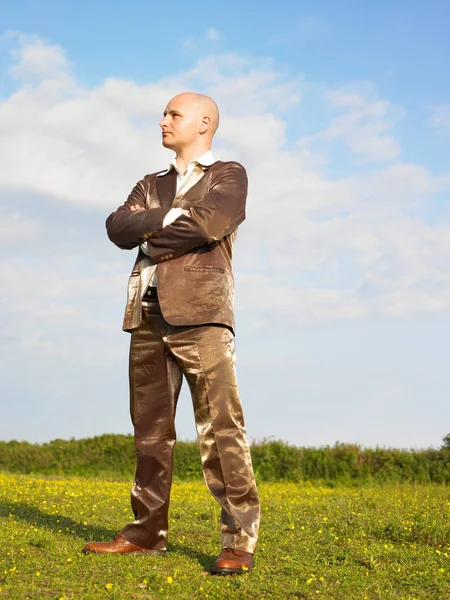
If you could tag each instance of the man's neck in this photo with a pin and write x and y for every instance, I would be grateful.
(184, 157)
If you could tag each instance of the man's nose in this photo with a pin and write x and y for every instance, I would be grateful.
(163, 122)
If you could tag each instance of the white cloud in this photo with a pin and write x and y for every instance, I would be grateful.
(188, 43)
(363, 124)
(440, 118)
(18, 229)
(213, 35)
(40, 66)
(36, 59)
(333, 248)
(320, 245)
(257, 84)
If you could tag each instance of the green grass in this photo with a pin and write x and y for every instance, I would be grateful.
(378, 542)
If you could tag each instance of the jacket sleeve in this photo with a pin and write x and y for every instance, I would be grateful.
(126, 228)
(214, 217)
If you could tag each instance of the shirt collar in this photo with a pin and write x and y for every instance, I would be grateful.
(205, 160)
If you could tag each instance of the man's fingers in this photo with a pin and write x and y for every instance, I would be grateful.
(134, 207)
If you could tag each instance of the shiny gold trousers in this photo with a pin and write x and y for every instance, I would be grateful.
(159, 355)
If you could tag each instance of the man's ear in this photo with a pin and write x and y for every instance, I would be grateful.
(204, 125)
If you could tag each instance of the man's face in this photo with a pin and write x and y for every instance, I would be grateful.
(181, 123)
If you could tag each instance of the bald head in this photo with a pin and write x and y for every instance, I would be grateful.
(189, 123)
(205, 106)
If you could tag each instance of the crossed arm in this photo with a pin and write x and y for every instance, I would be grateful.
(127, 226)
(211, 219)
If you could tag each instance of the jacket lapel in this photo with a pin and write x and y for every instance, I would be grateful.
(166, 188)
(188, 184)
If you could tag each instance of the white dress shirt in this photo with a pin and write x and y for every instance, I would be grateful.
(205, 160)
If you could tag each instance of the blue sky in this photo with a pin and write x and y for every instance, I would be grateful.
(340, 113)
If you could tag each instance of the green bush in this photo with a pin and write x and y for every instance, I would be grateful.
(112, 456)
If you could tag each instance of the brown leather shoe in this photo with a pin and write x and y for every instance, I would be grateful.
(233, 561)
(119, 545)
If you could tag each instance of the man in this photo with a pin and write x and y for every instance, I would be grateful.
(180, 313)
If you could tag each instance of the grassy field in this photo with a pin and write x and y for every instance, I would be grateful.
(390, 541)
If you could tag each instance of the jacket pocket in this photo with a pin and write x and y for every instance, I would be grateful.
(203, 269)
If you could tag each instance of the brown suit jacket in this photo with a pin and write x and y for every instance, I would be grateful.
(194, 253)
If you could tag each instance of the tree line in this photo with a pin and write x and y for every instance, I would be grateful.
(112, 456)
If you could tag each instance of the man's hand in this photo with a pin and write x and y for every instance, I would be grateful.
(173, 213)
(171, 216)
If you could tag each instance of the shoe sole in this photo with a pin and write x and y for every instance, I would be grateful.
(149, 552)
(229, 571)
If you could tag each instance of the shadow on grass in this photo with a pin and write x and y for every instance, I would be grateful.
(59, 523)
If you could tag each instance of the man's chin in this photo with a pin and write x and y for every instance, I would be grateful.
(166, 143)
